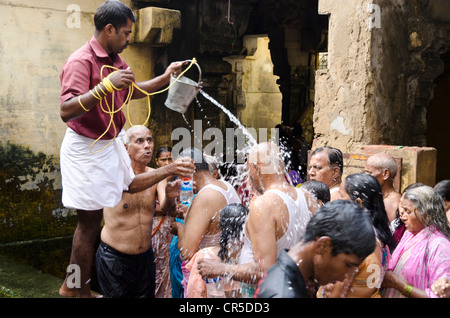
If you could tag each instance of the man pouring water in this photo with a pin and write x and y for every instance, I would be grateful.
(95, 177)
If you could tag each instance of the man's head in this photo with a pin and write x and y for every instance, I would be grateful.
(319, 190)
(342, 235)
(116, 20)
(326, 165)
(214, 165)
(264, 159)
(138, 141)
(382, 166)
(199, 159)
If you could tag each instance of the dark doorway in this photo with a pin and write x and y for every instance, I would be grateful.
(438, 119)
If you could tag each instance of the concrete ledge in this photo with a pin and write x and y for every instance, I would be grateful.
(155, 26)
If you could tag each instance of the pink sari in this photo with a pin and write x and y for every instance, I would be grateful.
(420, 265)
(196, 286)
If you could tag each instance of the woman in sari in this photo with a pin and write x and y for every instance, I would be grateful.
(423, 254)
(365, 190)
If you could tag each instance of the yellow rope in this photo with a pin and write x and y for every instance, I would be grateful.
(106, 82)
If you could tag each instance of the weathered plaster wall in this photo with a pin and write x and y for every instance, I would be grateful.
(344, 114)
(36, 38)
(389, 66)
(383, 58)
(35, 41)
(260, 86)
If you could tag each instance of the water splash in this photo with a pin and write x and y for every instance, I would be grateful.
(187, 122)
(233, 118)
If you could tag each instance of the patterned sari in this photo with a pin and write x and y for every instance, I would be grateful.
(421, 259)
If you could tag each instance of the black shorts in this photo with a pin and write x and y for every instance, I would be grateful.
(125, 276)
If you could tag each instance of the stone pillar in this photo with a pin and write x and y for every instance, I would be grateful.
(383, 58)
(344, 92)
(154, 28)
(255, 87)
(378, 83)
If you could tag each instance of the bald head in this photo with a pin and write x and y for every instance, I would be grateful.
(382, 161)
(268, 157)
(130, 132)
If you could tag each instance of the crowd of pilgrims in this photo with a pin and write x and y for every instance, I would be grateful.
(410, 256)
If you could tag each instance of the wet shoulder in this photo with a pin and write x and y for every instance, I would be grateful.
(267, 204)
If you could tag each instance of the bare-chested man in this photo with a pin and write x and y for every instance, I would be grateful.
(125, 260)
(277, 219)
(383, 167)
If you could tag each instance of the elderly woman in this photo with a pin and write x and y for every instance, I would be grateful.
(423, 254)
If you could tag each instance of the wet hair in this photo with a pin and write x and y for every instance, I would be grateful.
(368, 190)
(319, 189)
(161, 150)
(443, 188)
(232, 219)
(199, 160)
(334, 156)
(429, 205)
(411, 186)
(112, 12)
(213, 162)
(346, 224)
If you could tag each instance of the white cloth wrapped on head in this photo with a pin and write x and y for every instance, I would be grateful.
(92, 181)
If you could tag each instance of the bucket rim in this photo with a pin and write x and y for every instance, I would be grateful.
(199, 73)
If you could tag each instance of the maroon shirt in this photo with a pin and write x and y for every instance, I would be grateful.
(80, 73)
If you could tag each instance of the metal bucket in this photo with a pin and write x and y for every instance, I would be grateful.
(182, 92)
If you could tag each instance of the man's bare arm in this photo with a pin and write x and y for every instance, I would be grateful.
(71, 108)
(168, 201)
(182, 167)
(249, 273)
(261, 231)
(158, 82)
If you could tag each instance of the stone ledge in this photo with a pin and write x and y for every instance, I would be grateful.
(155, 26)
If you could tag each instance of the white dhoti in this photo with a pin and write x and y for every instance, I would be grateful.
(92, 181)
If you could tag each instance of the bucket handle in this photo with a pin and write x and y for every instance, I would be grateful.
(199, 71)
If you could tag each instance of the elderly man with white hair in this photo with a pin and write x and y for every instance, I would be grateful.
(383, 167)
(125, 260)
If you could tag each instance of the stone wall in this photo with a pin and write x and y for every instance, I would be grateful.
(344, 104)
(383, 59)
(35, 40)
(257, 94)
